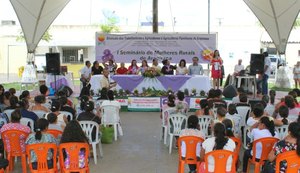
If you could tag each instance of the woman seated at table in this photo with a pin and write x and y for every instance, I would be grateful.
(144, 66)
(181, 69)
(167, 69)
(133, 68)
(122, 70)
(96, 68)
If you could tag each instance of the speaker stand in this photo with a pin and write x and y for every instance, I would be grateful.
(55, 88)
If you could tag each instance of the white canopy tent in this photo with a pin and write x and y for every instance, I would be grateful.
(35, 16)
(277, 17)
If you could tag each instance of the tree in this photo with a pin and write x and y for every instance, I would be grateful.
(46, 37)
(111, 21)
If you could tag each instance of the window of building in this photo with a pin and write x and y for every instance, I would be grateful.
(73, 55)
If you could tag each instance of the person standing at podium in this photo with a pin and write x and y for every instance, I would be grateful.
(216, 72)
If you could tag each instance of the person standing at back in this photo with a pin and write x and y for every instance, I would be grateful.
(264, 76)
(195, 68)
(86, 73)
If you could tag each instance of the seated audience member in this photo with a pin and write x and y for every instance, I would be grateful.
(41, 136)
(181, 105)
(289, 143)
(133, 68)
(53, 125)
(221, 112)
(2, 90)
(284, 113)
(219, 142)
(170, 104)
(182, 69)
(38, 104)
(64, 94)
(24, 105)
(88, 115)
(4, 100)
(83, 100)
(144, 67)
(167, 69)
(256, 114)
(191, 130)
(293, 110)
(294, 95)
(55, 108)
(66, 107)
(15, 125)
(233, 115)
(96, 68)
(155, 65)
(265, 128)
(243, 100)
(297, 91)
(44, 90)
(217, 99)
(13, 102)
(229, 127)
(236, 99)
(204, 109)
(111, 101)
(122, 69)
(74, 133)
(25, 95)
(12, 91)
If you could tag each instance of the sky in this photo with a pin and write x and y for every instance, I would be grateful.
(133, 12)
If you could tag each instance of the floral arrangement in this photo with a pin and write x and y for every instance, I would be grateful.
(151, 73)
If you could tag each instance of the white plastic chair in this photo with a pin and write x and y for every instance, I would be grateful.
(8, 113)
(270, 109)
(243, 111)
(282, 131)
(164, 123)
(87, 127)
(204, 123)
(28, 122)
(245, 135)
(176, 122)
(69, 115)
(110, 116)
(40, 114)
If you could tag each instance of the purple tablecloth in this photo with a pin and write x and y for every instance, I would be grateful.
(128, 82)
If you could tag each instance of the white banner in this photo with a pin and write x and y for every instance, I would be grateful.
(144, 103)
(195, 103)
(123, 102)
(125, 47)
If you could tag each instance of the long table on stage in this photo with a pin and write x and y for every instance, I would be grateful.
(174, 82)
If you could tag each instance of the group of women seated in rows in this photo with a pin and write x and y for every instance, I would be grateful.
(261, 123)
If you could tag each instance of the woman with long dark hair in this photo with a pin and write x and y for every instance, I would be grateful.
(264, 128)
(96, 68)
(133, 68)
(74, 133)
(216, 72)
(289, 143)
(41, 136)
(219, 142)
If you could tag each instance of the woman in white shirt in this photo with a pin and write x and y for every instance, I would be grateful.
(218, 142)
(264, 128)
(181, 69)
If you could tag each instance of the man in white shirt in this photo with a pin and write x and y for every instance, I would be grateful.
(195, 68)
(86, 73)
(155, 65)
(238, 68)
(265, 76)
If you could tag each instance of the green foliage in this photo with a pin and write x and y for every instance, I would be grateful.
(110, 25)
(46, 37)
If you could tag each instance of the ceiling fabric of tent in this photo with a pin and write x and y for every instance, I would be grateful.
(35, 16)
(277, 17)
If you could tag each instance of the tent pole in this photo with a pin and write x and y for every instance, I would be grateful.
(208, 17)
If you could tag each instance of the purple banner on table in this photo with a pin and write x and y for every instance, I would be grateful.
(59, 83)
(173, 82)
(128, 82)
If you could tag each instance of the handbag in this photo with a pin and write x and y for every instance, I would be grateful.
(107, 134)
